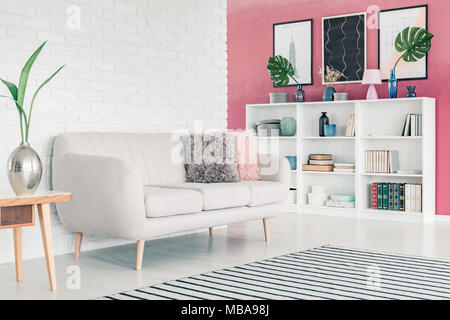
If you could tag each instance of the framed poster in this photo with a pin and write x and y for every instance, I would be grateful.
(390, 23)
(344, 46)
(293, 40)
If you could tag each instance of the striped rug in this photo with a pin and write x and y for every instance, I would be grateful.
(328, 272)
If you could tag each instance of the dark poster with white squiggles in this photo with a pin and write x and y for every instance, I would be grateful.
(344, 43)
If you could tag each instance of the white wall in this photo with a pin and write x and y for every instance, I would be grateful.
(134, 65)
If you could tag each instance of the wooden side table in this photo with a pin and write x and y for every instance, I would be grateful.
(18, 211)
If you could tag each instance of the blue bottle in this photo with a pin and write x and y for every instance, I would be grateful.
(393, 85)
(300, 94)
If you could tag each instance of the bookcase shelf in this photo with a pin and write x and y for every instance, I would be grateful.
(391, 175)
(329, 172)
(378, 126)
(418, 138)
(330, 138)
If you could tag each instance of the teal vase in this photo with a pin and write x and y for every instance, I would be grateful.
(288, 126)
(328, 94)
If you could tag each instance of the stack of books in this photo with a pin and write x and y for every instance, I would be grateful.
(344, 167)
(341, 201)
(396, 196)
(319, 162)
(382, 161)
(413, 125)
(350, 132)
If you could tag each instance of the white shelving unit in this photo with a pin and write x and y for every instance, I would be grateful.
(378, 127)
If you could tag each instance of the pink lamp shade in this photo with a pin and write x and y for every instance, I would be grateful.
(372, 77)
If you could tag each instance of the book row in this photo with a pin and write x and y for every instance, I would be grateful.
(396, 196)
(382, 161)
(413, 125)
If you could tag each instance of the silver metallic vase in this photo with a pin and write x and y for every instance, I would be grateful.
(24, 170)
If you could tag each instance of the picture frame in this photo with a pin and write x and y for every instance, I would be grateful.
(340, 50)
(390, 23)
(294, 41)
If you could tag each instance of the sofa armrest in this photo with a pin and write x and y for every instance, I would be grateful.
(108, 196)
(275, 168)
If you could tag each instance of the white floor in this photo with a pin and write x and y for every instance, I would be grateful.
(109, 271)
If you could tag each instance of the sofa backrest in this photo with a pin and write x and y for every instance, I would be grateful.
(155, 155)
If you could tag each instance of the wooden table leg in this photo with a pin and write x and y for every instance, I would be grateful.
(17, 234)
(46, 229)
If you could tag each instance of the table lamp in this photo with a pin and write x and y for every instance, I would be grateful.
(372, 77)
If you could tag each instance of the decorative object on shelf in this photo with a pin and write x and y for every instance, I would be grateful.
(350, 132)
(413, 125)
(330, 130)
(323, 120)
(24, 164)
(381, 161)
(344, 46)
(293, 39)
(341, 201)
(393, 85)
(317, 197)
(391, 22)
(330, 75)
(288, 126)
(372, 77)
(279, 97)
(396, 196)
(319, 162)
(340, 96)
(411, 92)
(344, 167)
(292, 162)
(328, 94)
(268, 128)
(300, 94)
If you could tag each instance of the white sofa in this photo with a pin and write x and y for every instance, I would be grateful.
(129, 186)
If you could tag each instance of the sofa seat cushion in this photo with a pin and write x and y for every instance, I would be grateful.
(265, 192)
(218, 195)
(163, 202)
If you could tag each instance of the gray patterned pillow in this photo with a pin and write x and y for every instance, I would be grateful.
(210, 157)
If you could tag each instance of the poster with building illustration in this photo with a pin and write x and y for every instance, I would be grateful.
(293, 40)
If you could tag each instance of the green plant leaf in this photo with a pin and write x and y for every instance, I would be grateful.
(14, 93)
(12, 88)
(414, 42)
(34, 98)
(25, 73)
(280, 70)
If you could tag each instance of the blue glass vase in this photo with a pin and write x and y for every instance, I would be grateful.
(328, 94)
(300, 94)
(393, 85)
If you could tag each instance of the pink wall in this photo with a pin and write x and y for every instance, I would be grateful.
(250, 45)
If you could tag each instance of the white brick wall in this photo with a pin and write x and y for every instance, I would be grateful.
(134, 65)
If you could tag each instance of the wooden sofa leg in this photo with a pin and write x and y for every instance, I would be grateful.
(211, 231)
(139, 254)
(78, 239)
(266, 229)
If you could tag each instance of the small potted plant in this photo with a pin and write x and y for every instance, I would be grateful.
(330, 77)
(24, 164)
(414, 44)
(280, 70)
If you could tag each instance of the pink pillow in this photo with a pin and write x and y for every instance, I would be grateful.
(247, 155)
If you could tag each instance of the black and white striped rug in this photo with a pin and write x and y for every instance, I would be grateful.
(328, 272)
